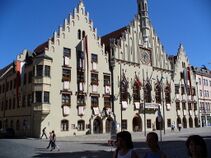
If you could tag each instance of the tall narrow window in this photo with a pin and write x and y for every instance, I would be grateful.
(64, 125)
(94, 101)
(39, 70)
(94, 79)
(46, 97)
(66, 74)
(106, 80)
(47, 71)
(79, 34)
(38, 95)
(94, 58)
(158, 93)
(81, 125)
(147, 93)
(65, 99)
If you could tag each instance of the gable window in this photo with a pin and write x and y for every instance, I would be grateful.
(67, 52)
(79, 34)
(94, 58)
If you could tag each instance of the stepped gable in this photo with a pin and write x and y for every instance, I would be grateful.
(113, 35)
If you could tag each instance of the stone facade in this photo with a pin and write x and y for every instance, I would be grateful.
(77, 83)
(203, 77)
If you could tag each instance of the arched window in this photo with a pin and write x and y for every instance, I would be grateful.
(83, 34)
(124, 87)
(64, 125)
(158, 93)
(79, 34)
(147, 93)
(136, 90)
(168, 93)
(81, 125)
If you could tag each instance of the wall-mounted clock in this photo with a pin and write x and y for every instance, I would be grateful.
(145, 57)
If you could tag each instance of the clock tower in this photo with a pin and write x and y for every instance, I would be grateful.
(144, 21)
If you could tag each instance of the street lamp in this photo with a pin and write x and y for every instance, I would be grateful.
(114, 124)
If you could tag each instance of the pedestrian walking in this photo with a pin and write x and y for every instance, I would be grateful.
(172, 126)
(155, 152)
(124, 146)
(50, 140)
(44, 133)
(196, 147)
(53, 142)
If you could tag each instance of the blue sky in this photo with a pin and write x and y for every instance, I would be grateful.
(28, 23)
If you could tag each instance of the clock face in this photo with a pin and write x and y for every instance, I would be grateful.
(145, 57)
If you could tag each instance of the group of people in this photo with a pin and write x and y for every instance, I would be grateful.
(52, 139)
(195, 144)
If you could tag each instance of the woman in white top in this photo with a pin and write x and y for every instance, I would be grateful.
(124, 146)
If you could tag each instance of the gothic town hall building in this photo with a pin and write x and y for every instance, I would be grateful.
(77, 83)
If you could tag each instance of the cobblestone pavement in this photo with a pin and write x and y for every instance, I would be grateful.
(95, 146)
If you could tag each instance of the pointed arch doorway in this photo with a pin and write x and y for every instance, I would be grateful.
(137, 124)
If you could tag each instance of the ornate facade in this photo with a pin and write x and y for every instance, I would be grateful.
(77, 83)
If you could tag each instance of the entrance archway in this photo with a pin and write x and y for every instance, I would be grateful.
(0, 125)
(190, 122)
(97, 126)
(137, 124)
(184, 122)
(109, 120)
(178, 121)
(159, 125)
(196, 122)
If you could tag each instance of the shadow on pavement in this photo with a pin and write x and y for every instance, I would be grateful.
(82, 154)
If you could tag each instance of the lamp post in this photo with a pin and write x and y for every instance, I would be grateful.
(144, 104)
(114, 124)
(164, 131)
(120, 94)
